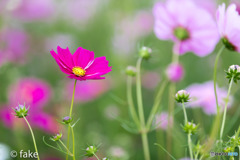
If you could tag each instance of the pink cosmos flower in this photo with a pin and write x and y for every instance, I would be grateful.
(190, 32)
(150, 80)
(237, 3)
(202, 95)
(81, 65)
(31, 91)
(162, 122)
(13, 45)
(228, 21)
(33, 10)
(86, 91)
(175, 72)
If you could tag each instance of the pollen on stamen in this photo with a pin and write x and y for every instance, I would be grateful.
(78, 71)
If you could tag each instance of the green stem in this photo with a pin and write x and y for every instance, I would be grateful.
(239, 152)
(196, 155)
(225, 110)
(96, 156)
(185, 113)
(130, 102)
(34, 142)
(65, 147)
(70, 115)
(215, 75)
(156, 104)
(73, 143)
(141, 112)
(190, 145)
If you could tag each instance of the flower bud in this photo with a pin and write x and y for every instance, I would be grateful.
(145, 52)
(182, 96)
(233, 73)
(90, 151)
(190, 127)
(56, 137)
(131, 71)
(175, 72)
(21, 111)
(105, 158)
(67, 120)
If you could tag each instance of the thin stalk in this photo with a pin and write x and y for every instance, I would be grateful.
(225, 110)
(185, 113)
(156, 104)
(190, 145)
(141, 112)
(215, 75)
(130, 102)
(196, 155)
(239, 152)
(96, 156)
(73, 143)
(33, 137)
(65, 147)
(70, 115)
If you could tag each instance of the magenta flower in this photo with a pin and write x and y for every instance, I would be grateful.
(202, 95)
(228, 21)
(162, 121)
(31, 91)
(189, 32)
(13, 45)
(175, 72)
(86, 91)
(81, 65)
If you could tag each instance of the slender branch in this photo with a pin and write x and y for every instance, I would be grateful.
(156, 104)
(70, 115)
(96, 156)
(73, 153)
(190, 145)
(141, 112)
(225, 109)
(34, 141)
(130, 102)
(185, 113)
(65, 147)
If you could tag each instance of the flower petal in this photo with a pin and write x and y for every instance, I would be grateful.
(65, 56)
(83, 58)
(98, 67)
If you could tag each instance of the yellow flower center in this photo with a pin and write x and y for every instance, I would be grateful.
(78, 71)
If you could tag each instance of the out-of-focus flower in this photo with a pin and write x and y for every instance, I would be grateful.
(56, 137)
(210, 6)
(131, 71)
(36, 117)
(237, 3)
(162, 121)
(190, 32)
(81, 65)
(190, 127)
(118, 152)
(111, 112)
(86, 91)
(175, 72)
(228, 21)
(67, 120)
(4, 151)
(30, 91)
(13, 45)
(145, 52)
(21, 111)
(91, 151)
(150, 80)
(127, 34)
(202, 95)
(31, 10)
(185, 158)
(182, 96)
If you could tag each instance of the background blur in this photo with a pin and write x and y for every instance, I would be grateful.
(112, 28)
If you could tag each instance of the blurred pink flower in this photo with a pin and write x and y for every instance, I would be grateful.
(30, 10)
(228, 21)
(162, 121)
(150, 80)
(237, 3)
(175, 72)
(81, 65)
(13, 45)
(117, 152)
(86, 91)
(190, 32)
(127, 34)
(202, 95)
(31, 91)
(209, 5)
(36, 117)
